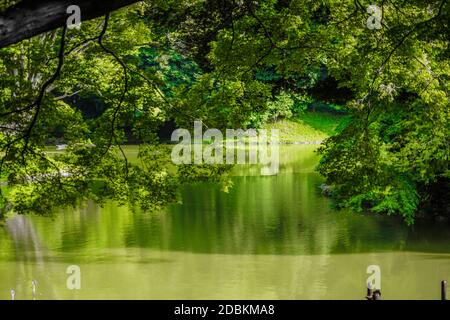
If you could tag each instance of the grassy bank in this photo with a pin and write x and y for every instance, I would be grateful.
(309, 127)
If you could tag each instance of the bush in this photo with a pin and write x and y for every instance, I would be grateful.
(281, 107)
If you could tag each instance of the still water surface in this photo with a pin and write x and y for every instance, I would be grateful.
(270, 237)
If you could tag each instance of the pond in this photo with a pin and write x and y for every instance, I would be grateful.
(269, 237)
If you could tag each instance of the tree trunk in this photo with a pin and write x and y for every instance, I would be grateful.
(29, 18)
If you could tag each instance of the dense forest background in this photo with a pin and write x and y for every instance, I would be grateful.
(141, 71)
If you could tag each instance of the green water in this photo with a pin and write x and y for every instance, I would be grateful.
(270, 237)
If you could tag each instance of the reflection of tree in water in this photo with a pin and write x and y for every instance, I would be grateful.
(29, 257)
(25, 239)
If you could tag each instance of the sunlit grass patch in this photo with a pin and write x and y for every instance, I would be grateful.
(309, 127)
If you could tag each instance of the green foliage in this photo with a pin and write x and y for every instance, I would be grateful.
(92, 167)
(233, 64)
(301, 103)
(173, 68)
(382, 167)
(223, 103)
(282, 107)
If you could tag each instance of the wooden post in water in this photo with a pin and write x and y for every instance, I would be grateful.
(443, 290)
(369, 295)
(373, 294)
(369, 291)
(376, 295)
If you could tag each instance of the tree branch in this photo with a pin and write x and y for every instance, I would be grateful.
(30, 17)
(38, 102)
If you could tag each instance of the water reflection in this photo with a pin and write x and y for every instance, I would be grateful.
(25, 239)
(28, 255)
(269, 237)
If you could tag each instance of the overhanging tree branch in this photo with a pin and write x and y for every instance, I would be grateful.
(30, 17)
(122, 97)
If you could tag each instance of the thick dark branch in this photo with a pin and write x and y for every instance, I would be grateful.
(55, 76)
(122, 98)
(30, 17)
